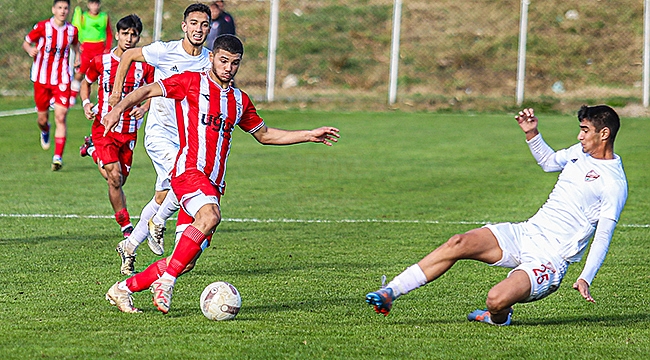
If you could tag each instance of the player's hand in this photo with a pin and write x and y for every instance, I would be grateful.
(326, 135)
(138, 112)
(110, 120)
(33, 51)
(88, 111)
(527, 121)
(583, 288)
(114, 98)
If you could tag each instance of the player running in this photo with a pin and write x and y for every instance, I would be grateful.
(95, 37)
(161, 135)
(49, 44)
(587, 200)
(113, 153)
(207, 111)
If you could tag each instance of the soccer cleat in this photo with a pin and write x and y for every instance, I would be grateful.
(128, 260)
(156, 237)
(484, 316)
(121, 298)
(127, 231)
(382, 300)
(57, 163)
(88, 144)
(162, 290)
(45, 140)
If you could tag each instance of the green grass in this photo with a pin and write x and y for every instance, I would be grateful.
(303, 283)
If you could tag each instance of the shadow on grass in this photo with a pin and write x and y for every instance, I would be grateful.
(610, 320)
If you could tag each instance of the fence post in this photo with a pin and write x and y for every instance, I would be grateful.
(521, 63)
(394, 51)
(157, 20)
(273, 45)
(646, 52)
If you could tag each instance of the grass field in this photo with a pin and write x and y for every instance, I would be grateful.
(307, 232)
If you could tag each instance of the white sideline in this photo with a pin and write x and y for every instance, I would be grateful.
(17, 112)
(283, 220)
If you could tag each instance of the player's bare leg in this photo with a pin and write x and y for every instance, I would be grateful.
(42, 118)
(115, 180)
(502, 296)
(478, 244)
(60, 113)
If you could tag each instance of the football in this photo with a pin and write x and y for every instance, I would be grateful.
(220, 301)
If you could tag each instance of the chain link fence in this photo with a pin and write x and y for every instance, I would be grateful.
(454, 56)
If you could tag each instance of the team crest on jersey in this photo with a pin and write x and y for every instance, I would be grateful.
(591, 176)
(137, 74)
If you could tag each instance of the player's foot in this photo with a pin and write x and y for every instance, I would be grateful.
(382, 300)
(162, 290)
(121, 298)
(85, 149)
(128, 260)
(57, 163)
(45, 140)
(127, 231)
(484, 316)
(156, 238)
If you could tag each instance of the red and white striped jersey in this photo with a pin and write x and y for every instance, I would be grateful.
(102, 68)
(51, 64)
(206, 115)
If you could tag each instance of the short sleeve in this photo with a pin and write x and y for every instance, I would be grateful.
(151, 52)
(92, 74)
(176, 86)
(149, 74)
(35, 34)
(250, 121)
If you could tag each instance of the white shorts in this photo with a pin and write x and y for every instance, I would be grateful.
(525, 248)
(191, 203)
(162, 152)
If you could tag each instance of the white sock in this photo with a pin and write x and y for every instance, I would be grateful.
(168, 277)
(75, 85)
(410, 279)
(122, 286)
(141, 229)
(168, 207)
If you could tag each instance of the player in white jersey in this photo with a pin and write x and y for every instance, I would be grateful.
(587, 200)
(161, 134)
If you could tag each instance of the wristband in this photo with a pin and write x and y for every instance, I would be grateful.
(85, 102)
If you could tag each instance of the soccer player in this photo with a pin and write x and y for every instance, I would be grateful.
(95, 36)
(207, 111)
(161, 135)
(49, 44)
(587, 200)
(113, 153)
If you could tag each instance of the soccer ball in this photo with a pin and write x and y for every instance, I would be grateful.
(220, 301)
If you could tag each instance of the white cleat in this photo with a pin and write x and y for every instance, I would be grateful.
(128, 260)
(162, 290)
(156, 237)
(121, 298)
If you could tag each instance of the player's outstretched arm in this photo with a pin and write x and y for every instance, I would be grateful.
(111, 119)
(272, 136)
(528, 122)
(127, 58)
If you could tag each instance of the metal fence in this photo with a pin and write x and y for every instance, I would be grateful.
(335, 54)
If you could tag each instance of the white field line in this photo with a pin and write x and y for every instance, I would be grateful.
(283, 220)
(17, 112)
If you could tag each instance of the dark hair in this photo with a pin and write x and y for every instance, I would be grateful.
(56, 1)
(95, 1)
(129, 22)
(229, 43)
(198, 7)
(601, 116)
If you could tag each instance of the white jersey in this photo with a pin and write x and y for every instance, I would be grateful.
(169, 58)
(586, 191)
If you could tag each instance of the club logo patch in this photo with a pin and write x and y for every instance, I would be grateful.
(591, 176)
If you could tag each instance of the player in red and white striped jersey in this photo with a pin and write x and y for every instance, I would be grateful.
(49, 44)
(113, 153)
(207, 111)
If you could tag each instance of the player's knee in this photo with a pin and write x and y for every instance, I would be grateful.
(457, 242)
(114, 179)
(497, 301)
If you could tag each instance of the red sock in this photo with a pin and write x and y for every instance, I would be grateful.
(142, 281)
(188, 247)
(95, 156)
(59, 144)
(73, 93)
(122, 217)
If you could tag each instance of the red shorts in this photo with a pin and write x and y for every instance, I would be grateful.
(114, 147)
(193, 189)
(44, 93)
(88, 51)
